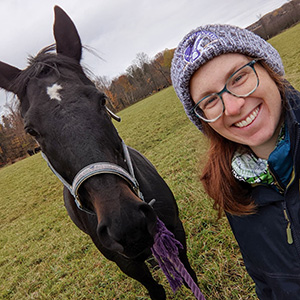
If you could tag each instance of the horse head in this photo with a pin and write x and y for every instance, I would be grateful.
(64, 111)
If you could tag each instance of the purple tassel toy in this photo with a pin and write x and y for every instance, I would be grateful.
(165, 251)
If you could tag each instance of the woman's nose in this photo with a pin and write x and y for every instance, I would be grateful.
(233, 104)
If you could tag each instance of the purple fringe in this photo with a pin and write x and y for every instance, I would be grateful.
(165, 251)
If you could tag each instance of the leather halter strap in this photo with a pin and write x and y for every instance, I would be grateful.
(96, 169)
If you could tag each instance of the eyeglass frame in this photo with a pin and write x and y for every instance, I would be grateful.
(219, 94)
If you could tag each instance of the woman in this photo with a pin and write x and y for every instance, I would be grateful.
(230, 82)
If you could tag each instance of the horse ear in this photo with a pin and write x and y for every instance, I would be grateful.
(66, 36)
(7, 75)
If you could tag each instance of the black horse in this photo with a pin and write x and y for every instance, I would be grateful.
(63, 110)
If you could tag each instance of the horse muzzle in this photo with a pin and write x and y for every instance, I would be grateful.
(129, 231)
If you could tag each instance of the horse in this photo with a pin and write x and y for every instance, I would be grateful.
(107, 185)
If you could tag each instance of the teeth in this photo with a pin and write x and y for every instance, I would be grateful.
(248, 120)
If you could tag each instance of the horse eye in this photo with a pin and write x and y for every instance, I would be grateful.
(103, 99)
(31, 131)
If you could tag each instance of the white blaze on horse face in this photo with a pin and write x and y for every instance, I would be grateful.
(53, 91)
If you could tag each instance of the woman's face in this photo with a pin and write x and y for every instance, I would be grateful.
(254, 120)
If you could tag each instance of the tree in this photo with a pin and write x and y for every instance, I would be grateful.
(103, 84)
(14, 142)
(142, 78)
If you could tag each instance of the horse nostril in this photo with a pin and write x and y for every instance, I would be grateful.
(102, 230)
(103, 233)
(107, 240)
(150, 215)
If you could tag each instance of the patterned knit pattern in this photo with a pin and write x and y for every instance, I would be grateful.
(248, 168)
(207, 42)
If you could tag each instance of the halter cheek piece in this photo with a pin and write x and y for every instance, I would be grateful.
(96, 169)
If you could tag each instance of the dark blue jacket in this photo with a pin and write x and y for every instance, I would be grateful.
(270, 239)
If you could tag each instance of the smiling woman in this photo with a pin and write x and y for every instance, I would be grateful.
(231, 84)
(250, 112)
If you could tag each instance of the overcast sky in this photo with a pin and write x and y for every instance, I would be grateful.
(116, 29)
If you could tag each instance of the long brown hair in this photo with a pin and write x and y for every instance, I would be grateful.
(228, 193)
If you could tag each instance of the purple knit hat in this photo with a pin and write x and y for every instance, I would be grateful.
(205, 43)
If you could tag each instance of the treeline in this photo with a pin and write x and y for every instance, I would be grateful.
(277, 20)
(14, 142)
(144, 77)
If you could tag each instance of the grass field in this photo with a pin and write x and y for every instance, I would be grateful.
(44, 256)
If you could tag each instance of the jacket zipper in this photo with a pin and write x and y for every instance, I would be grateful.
(281, 191)
(288, 228)
(276, 182)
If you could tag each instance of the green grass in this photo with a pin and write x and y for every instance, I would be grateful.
(44, 256)
(288, 45)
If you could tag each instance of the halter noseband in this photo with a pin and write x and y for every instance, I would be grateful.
(96, 169)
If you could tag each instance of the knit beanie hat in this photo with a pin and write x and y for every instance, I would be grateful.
(205, 43)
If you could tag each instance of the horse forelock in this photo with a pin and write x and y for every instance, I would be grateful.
(47, 57)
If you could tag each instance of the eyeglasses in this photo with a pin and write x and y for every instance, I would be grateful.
(241, 83)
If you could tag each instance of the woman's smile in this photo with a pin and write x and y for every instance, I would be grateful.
(249, 119)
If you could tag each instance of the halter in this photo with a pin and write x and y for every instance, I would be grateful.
(96, 169)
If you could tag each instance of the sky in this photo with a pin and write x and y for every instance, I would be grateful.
(117, 30)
